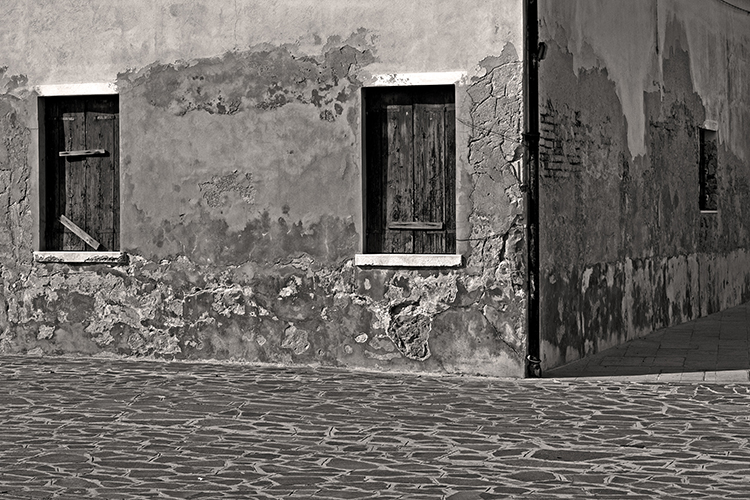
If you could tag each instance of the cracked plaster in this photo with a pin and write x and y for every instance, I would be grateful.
(231, 257)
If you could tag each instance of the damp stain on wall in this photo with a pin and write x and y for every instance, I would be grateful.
(625, 248)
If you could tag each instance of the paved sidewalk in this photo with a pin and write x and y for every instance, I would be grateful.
(113, 429)
(715, 348)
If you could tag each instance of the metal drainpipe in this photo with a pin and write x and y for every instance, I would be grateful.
(533, 361)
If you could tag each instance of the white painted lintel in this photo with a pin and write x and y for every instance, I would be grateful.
(66, 89)
(407, 260)
(405, 79)
(711, 125)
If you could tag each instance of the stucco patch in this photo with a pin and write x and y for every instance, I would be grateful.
(214, 190)
(45, 332)
(295, 340)
(410, 331)
(361, 338)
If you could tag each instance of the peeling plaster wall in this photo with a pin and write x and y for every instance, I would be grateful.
(624, 247)
(240, 185)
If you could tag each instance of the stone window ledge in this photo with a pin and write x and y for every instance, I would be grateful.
(81, 257)
(406, 260)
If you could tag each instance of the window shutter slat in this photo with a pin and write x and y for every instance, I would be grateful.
(116, 178)
(101, 172)
(450, 175)
(400, 176)
(429, 174)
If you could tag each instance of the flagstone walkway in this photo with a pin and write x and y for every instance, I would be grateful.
(115, 429)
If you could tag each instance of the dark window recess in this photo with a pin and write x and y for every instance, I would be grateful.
(708, 167)
(410, 169)
(80, 175)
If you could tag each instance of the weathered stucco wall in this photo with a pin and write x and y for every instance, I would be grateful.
(240, 184)
(624, 246)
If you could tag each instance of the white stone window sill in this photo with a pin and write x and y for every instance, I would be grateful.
(406, 260)
(81, 257)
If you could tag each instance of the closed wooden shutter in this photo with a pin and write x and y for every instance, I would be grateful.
(82, 171)
(410, 155)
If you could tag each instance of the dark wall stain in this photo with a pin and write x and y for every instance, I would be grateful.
(263, 79)
(625, 249)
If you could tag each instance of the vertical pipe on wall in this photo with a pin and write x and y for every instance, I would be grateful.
(531, 136)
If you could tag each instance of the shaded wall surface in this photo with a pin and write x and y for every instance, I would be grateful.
(241, 184)
(625, 248)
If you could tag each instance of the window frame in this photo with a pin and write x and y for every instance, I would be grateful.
(708, 135)
(410, 260)
(37, 159)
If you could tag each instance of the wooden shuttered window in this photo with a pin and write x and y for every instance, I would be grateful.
(81, 181)
(708, 166)
(410, 169)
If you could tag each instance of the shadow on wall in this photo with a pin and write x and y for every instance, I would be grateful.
(715, 343)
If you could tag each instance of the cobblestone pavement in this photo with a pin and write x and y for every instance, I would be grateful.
(115, 429)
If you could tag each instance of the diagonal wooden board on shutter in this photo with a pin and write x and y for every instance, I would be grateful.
(75, 229)
(74, 139)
